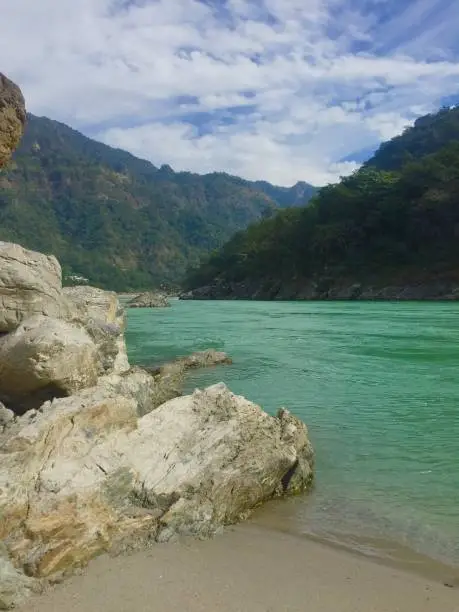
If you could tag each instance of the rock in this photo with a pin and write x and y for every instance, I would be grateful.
(15, 587)
(149, 300)
(206, 359)
(170, 377)
(148, 390)
(199, 359)
(45, 358)
(111, 345)
(84, 474)
(95, 304)
(12, 118)
(103, 318)
(30, 284)
(6, 417)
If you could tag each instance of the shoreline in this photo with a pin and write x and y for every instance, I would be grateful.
(381, 551)
(381, 548)
(247, 568)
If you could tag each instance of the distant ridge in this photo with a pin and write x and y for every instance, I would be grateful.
(117, 220)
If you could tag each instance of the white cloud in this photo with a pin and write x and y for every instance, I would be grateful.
(273, 89)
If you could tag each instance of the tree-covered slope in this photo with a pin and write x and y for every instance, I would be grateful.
(116, 219)
(393, 223)
(428, 135)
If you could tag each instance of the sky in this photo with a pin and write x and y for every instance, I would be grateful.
(281, 90)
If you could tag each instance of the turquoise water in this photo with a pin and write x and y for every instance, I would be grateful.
(378, 386)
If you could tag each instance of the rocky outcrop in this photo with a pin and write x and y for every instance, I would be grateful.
(85, 474)
(103, 317)
(328, 289)
(12, 118)
(30, 284)
(97, 456)
(45, 357)
(149, 300)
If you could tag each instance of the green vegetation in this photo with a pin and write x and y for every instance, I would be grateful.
(397, 215)
(117, 220)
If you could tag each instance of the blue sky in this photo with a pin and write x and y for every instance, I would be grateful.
(282, 90)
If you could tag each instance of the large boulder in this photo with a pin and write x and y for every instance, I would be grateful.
(30, 284)
(43, 358)
(103, 318)
(12, 118)
(85, 474)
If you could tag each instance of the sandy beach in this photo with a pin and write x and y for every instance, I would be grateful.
(246, 569)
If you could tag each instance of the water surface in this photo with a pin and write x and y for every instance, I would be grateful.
(378, 385)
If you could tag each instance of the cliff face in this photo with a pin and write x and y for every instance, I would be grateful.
(12, 118)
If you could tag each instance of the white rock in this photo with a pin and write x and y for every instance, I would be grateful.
(46, 357)
(30, 283)
(103, 317)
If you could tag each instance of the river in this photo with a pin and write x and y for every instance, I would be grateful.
(376, 382)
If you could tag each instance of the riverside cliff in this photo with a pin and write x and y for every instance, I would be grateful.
(99, 456)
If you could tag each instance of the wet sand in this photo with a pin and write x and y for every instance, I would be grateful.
(247, 569)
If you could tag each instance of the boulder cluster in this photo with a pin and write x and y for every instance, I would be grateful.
(100, 456)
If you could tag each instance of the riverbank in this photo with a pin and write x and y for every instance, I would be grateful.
(246, 569)
(409, 284)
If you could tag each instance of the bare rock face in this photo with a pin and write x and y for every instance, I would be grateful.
(85, 474)
(12, 118)
(43, 358)
(103, 318)
(30, 284)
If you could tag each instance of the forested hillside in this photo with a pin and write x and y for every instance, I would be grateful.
(389, 230)
(118, 220)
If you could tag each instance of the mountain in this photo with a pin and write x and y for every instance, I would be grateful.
(286, 197)
(390, 230)
(118, 220)
(428, 135)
